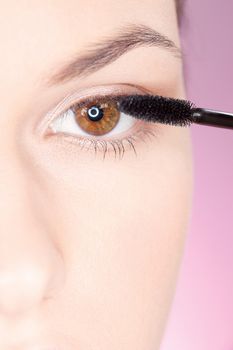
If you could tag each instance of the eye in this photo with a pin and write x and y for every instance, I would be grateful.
(93, 118)
(96, 124)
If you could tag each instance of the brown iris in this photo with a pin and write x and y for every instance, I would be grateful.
(97, 118)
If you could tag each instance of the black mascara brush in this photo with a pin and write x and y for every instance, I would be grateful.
(167, 110)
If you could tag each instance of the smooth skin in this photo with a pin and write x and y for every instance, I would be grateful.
(89, 249)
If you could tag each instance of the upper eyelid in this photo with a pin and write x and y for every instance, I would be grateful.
(97, 90)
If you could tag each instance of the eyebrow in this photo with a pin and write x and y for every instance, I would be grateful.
(101, 53)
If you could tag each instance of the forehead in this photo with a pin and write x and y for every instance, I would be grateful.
(37, 35)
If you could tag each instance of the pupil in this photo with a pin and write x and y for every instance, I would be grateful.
(95, 113)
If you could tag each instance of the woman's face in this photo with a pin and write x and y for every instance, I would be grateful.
(89, 245)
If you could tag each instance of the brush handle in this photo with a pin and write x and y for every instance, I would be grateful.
(212, 118)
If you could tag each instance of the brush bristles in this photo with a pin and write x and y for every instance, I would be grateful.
(156, 108)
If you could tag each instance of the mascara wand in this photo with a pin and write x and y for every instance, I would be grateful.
(167, 110)
(212, 118)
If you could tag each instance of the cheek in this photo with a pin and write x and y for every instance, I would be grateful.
(121, 228)
(151, 192)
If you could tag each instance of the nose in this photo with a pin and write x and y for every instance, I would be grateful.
(31, 265)
(30, 273)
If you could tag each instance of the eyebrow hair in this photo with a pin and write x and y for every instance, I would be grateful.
(101, 53)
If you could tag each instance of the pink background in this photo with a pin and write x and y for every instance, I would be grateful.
(201, 317)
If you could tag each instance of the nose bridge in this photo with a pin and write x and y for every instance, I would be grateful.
(30, 264)
(14, 185)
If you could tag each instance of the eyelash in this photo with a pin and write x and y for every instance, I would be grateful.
(117, 145)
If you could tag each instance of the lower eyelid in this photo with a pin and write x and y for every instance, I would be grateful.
(144, 135)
